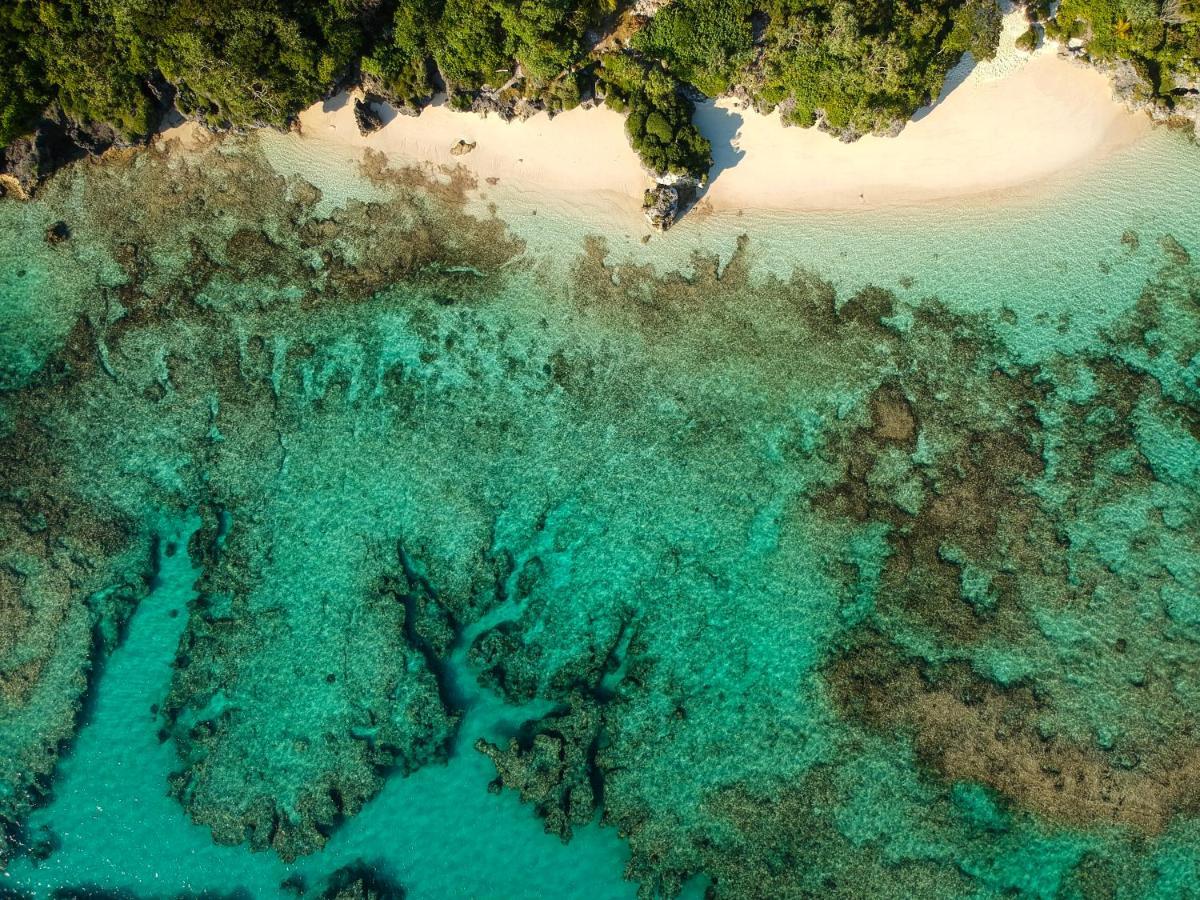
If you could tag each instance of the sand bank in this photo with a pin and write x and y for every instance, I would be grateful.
(999, 128)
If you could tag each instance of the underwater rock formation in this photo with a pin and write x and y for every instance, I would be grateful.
(553, 767)
(361, 881)
(69, 576)
(77, 548)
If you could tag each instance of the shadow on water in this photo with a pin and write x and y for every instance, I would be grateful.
(954, 79)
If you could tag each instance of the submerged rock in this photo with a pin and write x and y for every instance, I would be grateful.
(369, 509)
(362, 881)
(552, 766)
(58, 232)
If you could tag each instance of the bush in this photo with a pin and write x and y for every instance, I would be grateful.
(660, 126)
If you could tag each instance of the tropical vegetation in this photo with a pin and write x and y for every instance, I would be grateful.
(850, 66)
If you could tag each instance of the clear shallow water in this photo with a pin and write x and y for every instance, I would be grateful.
(805, 590)
(1048, 252)
(113, 825)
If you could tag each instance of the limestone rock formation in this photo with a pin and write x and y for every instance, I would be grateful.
(661, 203)
(20, 167)
(668, 199)
(1133, 85)
(648, 8)
(366, 114)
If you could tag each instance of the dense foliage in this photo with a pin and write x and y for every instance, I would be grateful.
(659, 123)
(399, 65)
(22, 82)
(482, 43)
(704, 42)
(231, 61)
(860, 67)
(84, 54)
(1160, 39)
(853, 66)
(256, 60)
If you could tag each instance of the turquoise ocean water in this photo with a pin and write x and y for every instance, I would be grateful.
(824, 555)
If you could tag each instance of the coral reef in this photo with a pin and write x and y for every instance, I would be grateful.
(805, 593)
(361, 881)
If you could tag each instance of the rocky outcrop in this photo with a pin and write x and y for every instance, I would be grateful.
(55, 141)
(507, 103)
(661, 204)
(1134, 87)
(1184, 83)
(1186, 98)
(668, 199)
(648, 8)
(366, 114)
(21, 168)
(1131, 84)
(375, 90)
(462, 148)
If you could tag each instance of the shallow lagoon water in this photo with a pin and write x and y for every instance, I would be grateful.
(804, 589)
(116, 828)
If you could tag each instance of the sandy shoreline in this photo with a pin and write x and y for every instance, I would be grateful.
(999, 129)
(986, 136)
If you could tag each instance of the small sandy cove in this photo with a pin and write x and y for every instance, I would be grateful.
(999, 126)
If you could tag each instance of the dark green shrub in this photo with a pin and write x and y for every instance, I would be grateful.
(660, 129)
(703, 42)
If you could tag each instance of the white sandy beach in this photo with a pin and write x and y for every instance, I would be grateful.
(1008, 124)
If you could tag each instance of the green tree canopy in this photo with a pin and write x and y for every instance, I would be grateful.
(855, 66)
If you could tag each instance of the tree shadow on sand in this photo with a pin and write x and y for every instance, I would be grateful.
(722, 127)
(954, 79)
